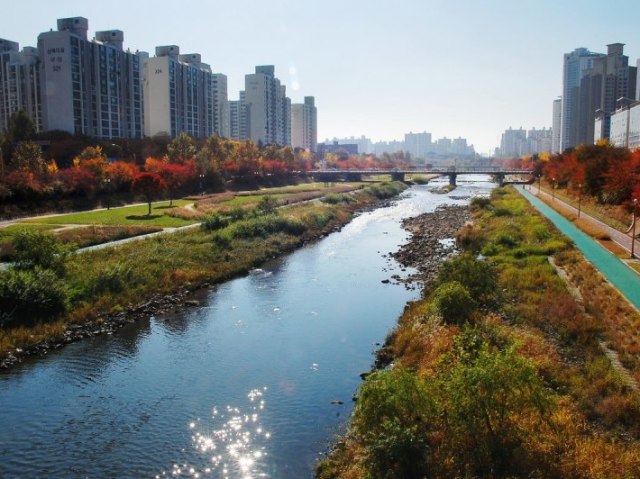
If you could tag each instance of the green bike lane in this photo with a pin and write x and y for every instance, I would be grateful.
(618, 273)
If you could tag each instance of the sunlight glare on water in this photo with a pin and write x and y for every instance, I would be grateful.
(231, 444)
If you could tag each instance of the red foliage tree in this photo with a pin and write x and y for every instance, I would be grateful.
(77, 180)
(121, 174)
(150, 186)
(175, 175)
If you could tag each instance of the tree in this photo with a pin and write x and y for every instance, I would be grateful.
(94, 160)
(480, 278)
(453, 302)
(21, 127)
(27, 156)
(121, 174)
(181, 149)
(150, 186)
(175, 175)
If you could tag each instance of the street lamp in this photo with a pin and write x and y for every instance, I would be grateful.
(201, 176)
(539, 181)
(107, 184)
(579, 198)
(553, 191)
(633, 228)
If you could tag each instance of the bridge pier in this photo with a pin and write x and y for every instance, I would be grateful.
(452, 179)
(500, 178)
(353, 177)
(397, 176)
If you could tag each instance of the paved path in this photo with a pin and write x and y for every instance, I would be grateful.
(618, 273)
(617, 236)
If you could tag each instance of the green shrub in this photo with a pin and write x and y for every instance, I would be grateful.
(480, 278)
(335, 198)
(385, 190)
(268, 205)
(453, 302)
(263, 226)
(28, 296)
(112, 279)
(480, 202)
(33, 249)
(319, 219)
(222, 239)
(507, 240)
(502, 211)
(392, 417)
(215, 221)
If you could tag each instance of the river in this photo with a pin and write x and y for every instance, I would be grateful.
(254, 383)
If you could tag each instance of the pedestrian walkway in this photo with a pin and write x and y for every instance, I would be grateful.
(618, 273)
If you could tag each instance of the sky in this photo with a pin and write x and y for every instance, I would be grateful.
(454, 68)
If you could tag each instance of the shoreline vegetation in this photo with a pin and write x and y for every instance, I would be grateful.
(519, 361)
(96, 292)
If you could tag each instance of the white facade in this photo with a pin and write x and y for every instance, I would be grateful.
(19, 83)
(90, 87)
(556, 125)
(304, 125)
(625, 127)
(268, 109)
(183, 96)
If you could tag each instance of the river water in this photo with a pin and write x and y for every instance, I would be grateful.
(254, 383)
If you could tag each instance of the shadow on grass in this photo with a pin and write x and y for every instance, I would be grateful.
(143, 217)
(165, 207)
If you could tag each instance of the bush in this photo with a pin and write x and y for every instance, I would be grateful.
(267, 205)
(215, 221)
(33, 249)
(453, 302)
(319, 219)
(28, 296)
(265, 225)
(112, 279)
(480, 278)
(335, 198)
(392, 417)
(385, 190)
(480, 202)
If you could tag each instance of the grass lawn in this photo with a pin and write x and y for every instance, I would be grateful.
(11, 230)
(128, 215)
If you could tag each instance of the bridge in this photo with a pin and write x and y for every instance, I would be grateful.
(398, 174)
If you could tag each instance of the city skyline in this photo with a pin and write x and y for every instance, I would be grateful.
(453, 69)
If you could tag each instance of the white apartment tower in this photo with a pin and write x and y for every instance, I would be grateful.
(268, 117)
(90, 87)
(183, 96)
(19, 83)
(556, 125)
(304, 124)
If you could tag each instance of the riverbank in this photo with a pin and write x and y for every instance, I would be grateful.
(498, 372)
(115, 286)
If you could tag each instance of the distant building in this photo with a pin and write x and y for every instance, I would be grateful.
(238, 119)
(592, 82)
(335, 147)
(19, 83)
(267, 108)
(90, 87)
(418, 144)
(304, 124)
(625, 126)
(556, 125)
(183, 96)
(365, 145)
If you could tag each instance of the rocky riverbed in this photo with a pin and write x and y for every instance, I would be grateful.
(432, 241)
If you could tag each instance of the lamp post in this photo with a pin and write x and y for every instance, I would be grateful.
(201, 176)
(579, 198)
(539, 181)
(553, 191)
(633, 228)
(107, 187)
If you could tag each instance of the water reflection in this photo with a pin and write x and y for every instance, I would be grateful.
(230, 444)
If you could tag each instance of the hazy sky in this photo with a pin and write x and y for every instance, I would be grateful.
(468, 68)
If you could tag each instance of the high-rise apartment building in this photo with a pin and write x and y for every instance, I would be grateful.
(592, 84)
(238, 118)
(556, 125)
(19, 83)
(182, 95)
(89, 87)
(268, 109)
(576, 65)
(304, 124)
(418, 144)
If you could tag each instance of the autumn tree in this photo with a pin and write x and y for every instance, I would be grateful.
(175, 175)
(149, 185)
(27, 156)
(181, 149)
(121, 174)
